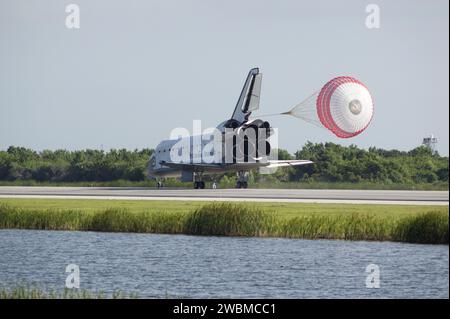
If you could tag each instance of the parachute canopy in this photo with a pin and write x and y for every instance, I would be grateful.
(344, 106)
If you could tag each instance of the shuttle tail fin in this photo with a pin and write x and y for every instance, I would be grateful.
(249, 98)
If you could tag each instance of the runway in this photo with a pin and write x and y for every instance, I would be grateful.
(259, 195)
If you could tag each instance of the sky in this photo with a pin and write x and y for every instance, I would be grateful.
(135, 70)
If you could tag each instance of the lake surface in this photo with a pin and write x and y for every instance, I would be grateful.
(178, 266)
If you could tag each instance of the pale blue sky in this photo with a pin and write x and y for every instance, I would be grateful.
(137, 69)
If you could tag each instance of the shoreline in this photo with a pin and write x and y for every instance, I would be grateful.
(421, 224)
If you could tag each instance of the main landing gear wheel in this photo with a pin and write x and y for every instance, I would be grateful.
(198, 180)
(241, 184)
(199, 185)
(242, 179)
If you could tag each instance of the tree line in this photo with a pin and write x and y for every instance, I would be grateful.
(332, 163)
(19, 163)
(337, 163)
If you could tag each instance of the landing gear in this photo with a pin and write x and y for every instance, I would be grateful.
(198, 180)
(159, 184)
(242, 179)
(241, 184)
(199, 185)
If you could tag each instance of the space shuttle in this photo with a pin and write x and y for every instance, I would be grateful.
(240, 144)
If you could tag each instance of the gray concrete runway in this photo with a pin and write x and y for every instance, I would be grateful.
(271, 195)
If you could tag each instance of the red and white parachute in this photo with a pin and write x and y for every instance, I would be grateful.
(344, 106)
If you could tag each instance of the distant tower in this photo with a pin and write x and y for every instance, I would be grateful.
(431, 143)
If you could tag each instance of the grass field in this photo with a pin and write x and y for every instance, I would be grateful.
(281, 209)
(422, 224)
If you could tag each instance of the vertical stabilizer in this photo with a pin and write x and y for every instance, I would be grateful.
(249, 98)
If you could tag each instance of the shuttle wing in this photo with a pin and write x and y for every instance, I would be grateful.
(286, 163)
(192, 166)
(234, 166)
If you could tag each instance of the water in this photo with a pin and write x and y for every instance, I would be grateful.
(177, 266)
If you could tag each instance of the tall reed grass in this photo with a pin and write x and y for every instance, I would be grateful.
(345, 226)
(225, 219)
(31, 292)
(427, 228)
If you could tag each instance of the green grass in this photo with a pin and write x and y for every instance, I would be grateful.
(224, 219)
(428, 228)
(287, 210)
(27, 292)
(436, 186)
(418, 224)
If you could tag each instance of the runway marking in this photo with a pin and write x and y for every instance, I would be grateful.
(233, 195)
(238, 199)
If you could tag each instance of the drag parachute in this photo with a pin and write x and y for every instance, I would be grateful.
(344, 106)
